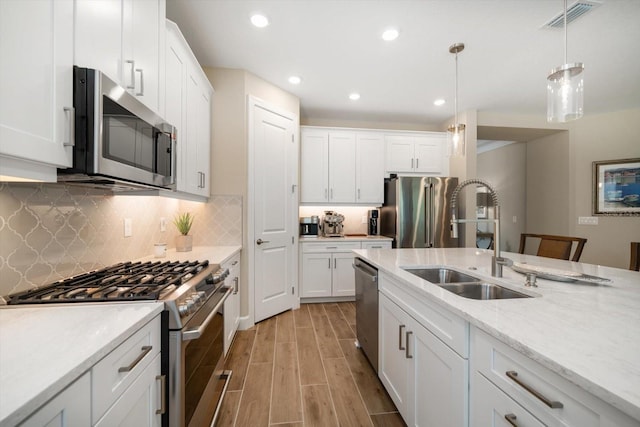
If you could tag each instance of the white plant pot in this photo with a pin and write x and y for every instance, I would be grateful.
(184, 243)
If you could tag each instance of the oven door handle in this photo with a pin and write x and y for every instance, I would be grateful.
(195, 333)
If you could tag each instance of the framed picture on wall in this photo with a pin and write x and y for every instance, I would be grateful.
(616, 187)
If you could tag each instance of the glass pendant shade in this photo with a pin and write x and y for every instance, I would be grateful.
(565, 93)
(456, 140)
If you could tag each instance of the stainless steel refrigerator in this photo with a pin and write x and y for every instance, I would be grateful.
(417, 212)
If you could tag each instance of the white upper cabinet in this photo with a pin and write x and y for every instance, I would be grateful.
(36, 88)
(370, 168)
(122, 38)
(342, 166)
(420, 153)
(188, 96)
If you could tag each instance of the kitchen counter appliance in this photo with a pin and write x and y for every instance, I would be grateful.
(310, 226)
(367, 309)
(416, 212)
(332, 224)
(192, 325)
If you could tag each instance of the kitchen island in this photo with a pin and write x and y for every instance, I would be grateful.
(586, 334)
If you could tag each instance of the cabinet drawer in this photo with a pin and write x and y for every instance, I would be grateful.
(491, 407)
(116, 372)
(376, 245)
(572, 405)
(448, 327)
(329, 246)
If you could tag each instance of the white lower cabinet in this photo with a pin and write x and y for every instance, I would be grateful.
(232, 304)
(492, 408)
(528, 385)
(326, 269)
(425, 378)
(71, 407)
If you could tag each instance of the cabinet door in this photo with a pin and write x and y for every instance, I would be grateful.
(141, 405)
(438, 387)
(370, 168)
(36, 83)
(342, 167)
(343, 278)
(490, 407)
(71, 407)
(141, 49)
(314, 167)
(191, 138)
(98, 39)
(428, 154)
(399, 153)
(316, 275)
(393, 363)
(175, 94)
(203, 149)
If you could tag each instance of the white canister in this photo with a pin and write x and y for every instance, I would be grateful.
(160, 250)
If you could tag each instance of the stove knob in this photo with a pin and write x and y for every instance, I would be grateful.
(183, 310)
(190, 305)
(201, 294)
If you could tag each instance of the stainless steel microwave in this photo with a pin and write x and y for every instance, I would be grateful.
(119, 143)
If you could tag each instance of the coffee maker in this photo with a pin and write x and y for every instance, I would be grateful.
(332, 224)
(373, 222)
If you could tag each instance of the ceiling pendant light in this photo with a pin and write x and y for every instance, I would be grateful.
(456, 132)
(565, 87)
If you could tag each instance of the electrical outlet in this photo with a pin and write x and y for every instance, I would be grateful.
(515, 219)
(163, 224)
(128, 227)
(588, 220)
(364, 219)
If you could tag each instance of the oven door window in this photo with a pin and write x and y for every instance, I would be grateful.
(130, 140)
(203, 359)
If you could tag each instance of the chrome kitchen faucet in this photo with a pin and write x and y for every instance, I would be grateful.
(496, 261)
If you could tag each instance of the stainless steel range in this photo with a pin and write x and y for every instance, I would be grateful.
(193, 325)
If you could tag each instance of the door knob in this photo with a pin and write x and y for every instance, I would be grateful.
(260, 241)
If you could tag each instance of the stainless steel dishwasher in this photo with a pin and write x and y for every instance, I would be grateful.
(367, 309)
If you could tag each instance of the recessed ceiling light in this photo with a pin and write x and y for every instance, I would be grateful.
(295, 80)
(390, 34)
(439, 102)
(354, 96)
(259, 21)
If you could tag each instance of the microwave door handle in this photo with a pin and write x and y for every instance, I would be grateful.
(174, 152)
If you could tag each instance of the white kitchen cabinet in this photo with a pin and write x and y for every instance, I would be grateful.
(188, 96)
(422, 153)
(36, 87)
(342, 166)
(326, 269)
(71, 407)
(370, 168)
(539, 391)
(232, 304)
(426, 379)
(123, 39)
(141, 405)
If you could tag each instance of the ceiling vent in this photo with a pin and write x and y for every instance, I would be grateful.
(574, 11)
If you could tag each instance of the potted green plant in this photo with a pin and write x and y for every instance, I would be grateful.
(183, 222)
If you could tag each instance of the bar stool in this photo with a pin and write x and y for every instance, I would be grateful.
(555, 246)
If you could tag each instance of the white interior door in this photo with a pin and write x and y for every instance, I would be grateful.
(275, 212)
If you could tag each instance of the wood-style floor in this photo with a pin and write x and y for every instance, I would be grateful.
(301, 368)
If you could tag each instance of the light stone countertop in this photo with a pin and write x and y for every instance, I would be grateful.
(44, 349)
(588, 334)
(214, 254)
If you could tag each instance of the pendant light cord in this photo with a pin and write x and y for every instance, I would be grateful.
(455, 100)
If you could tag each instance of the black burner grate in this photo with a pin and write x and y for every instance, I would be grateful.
(128, 281)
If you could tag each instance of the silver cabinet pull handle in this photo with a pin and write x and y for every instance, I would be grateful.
(146, 349)
(141, 92)
(513, 375)
(163, 391)
(331, 194)
(329, 263)
(260, 241)
(70, 112)
(400, 328)
(335, 263)
(406, 353)
(325, 194)
(235, 288)
(417, 160)
(511, 419)
(132, 85)
(358, 194)
(411, 163)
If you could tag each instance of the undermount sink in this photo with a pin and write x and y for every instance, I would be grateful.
(482, 291)
(464, 285)
(441, 275)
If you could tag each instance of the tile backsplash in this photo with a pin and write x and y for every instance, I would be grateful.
(52, 231)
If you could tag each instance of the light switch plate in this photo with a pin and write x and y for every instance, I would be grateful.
(588, 220)
(128, 227)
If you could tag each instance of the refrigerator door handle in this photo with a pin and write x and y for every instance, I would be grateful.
(428, 211)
